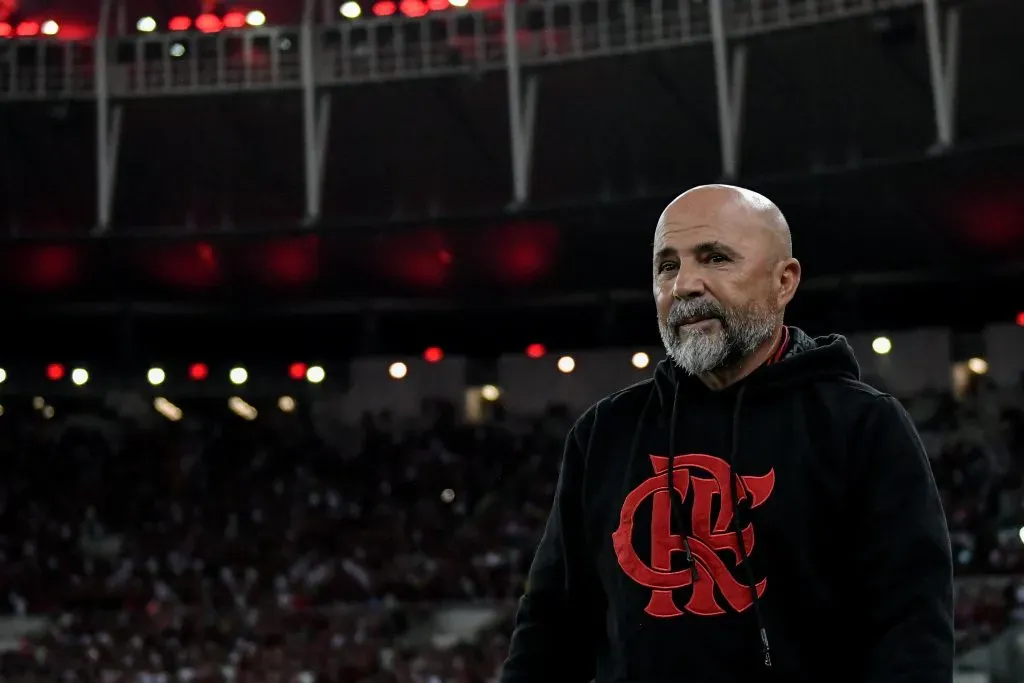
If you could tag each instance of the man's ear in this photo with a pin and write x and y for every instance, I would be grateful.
(788, 273)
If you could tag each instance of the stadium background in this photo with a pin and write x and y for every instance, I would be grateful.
(441, 212)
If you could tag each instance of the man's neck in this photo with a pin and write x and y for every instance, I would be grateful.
(726, 377)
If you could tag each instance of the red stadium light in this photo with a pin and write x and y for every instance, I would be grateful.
(28, 28)
(209, 23)
(5, 30)
(433, 355)
(437, 5)
(198, 371)
(54, 371)
(1020, 318)
(234, 20)
(179, 24)
(535, 351)
(413, 8)
(297, 370)
(384, 8)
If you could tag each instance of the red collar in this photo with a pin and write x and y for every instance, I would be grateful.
(783, 347)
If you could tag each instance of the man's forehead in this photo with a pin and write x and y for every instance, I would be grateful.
(681, 236)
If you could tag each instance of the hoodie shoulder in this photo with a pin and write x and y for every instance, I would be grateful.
(625, 404)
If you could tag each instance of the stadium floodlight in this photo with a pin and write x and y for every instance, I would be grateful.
(315, 374)
(350, 10)
(255, 18)
(156, 376)
(398, 370)
(79, 376)
(238, 375)
(566, 364)
(146, 24)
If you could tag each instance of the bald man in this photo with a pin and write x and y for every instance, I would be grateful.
(753, 512)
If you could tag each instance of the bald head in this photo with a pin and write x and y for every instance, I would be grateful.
(732, 209)
(724, 273)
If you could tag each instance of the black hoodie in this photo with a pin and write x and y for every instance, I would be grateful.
(844, 574)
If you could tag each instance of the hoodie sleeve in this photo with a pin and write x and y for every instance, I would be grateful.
(902, 551)
(554, 638)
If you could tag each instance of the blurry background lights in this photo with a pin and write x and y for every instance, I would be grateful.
(315, 374)
(489, 392)
(238, 375)
(398, 370)
(297, 370)
(979, 366)
(1020, 318)
(434, 354)
(535, 351)
(881, 345)
(255, 18)
(54, 371)
(641, 360)
(351, 10)
(50, 28)
(156, 376)
(566, 364)
(146, 24)
(447, 496)
(234, 20)
(3, 375)
(79, 376)
(458, 3)
(179, 23)
(384, 8)
(286, 404)
(198, 371)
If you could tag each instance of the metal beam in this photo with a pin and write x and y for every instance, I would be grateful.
(730, 83)
(315, 116)
(943, 66)
(108, 125)
(522, 110)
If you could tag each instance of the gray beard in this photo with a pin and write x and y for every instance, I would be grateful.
(700, 352)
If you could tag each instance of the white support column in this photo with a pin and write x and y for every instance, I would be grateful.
(315, 117)
(108, 125)
(522, 110)
(943, 65)
(730, 82)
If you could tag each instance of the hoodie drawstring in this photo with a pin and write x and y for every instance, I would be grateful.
(677, 512)
(744, 559)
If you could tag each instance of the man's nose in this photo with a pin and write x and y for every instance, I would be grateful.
(687, 286)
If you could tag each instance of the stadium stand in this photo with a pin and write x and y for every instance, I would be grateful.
(217, 549)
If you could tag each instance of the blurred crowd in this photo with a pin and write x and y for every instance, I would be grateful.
(267, 551)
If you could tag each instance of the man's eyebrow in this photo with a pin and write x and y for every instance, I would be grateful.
(716, 246)
(664, 253)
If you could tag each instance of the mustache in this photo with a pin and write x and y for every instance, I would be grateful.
(694, 308)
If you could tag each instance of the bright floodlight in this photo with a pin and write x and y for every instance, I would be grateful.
(641, 360)
(79, 376)
(489, 392)
(458, 3)
(566, 364)
(156, 376)
(3, 375)
(398, 370)
(50, 28)
(238, 375)
(315, 374)
(286, 404)
(255, 18)
(979, 366)
(351, 10)
(146, 24)
(881, 345)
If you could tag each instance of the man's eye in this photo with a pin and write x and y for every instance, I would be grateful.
(667, 266)
(717, 258)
